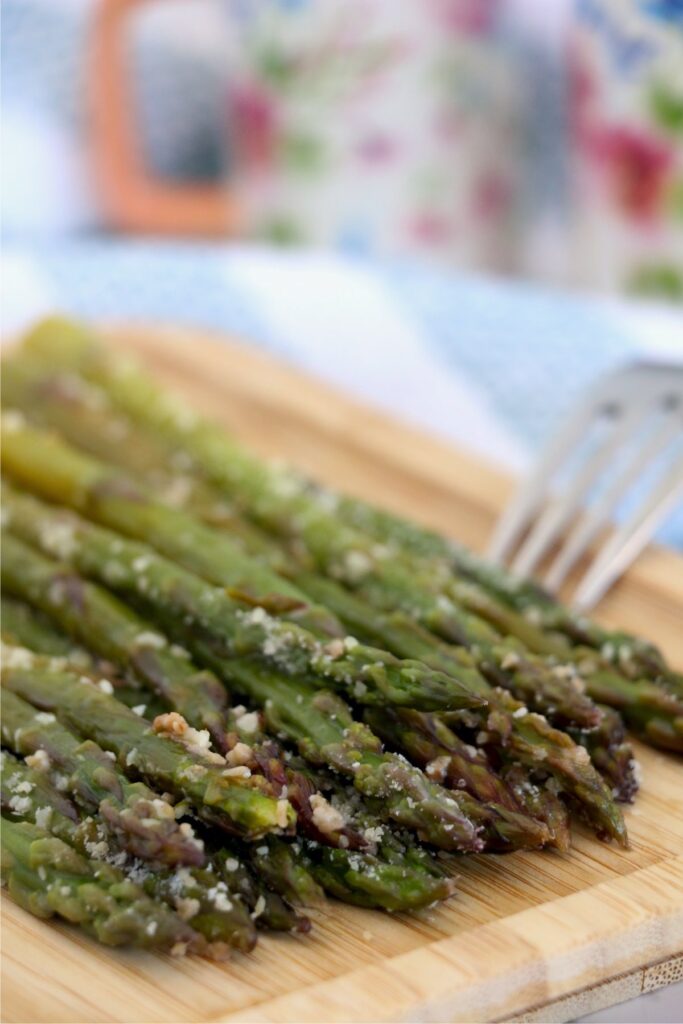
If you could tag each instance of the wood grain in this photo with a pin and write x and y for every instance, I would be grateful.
(525, 931)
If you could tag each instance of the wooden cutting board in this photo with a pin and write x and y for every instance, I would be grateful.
(534, 936)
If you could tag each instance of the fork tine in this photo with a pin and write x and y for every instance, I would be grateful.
(588, 527)
(553, 520)
(529, 496)
(631, 538)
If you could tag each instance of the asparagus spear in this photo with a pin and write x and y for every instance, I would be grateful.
(80, 412)
(143, 824)
(87, 418)
(27, 731)
(628, 653)
(202, 900)
(23, 626)
(113, 499)
(47, 878)
(269, 911)
(237, 804)
(93, 617)
(611, 753)
(532, 678)
(445, 824)
(373, 676)
(291, 506)
(282, 870)
(187, 605)
(429, 743)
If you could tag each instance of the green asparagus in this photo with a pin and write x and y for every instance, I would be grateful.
(48, 878)
(235, 803)
(186, 605)
(202, 900)
(372, 676)
(93, 617)
(143, 824)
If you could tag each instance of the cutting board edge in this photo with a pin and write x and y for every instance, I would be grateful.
(645, 936)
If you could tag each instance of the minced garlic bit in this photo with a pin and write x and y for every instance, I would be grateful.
(374, 833)
(105, 686)
(240, 771)
(13, 420)
(139, 709)
(511, 660)
(437, 768)
(249, 722)
(241, 754)
(335, 648)
(19, 804)
(43, 816)
(356, 565)
(39, 760)
(44, 717)
(259, 907)
(16, 657)
(58, 538)
(150, 639)
(197, 741)
(520, 712)
(187, 907)
(282, 813)
(325, 817)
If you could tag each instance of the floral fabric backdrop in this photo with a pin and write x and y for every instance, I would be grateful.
(539, 140)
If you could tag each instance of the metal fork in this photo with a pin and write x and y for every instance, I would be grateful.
(629, 426)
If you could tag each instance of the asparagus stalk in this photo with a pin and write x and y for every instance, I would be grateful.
(115, 500)
(202, 900)
(92, 774)
(23, 626)
(611, 753)
(292, 507)
(184, 603)
(239, 805)
(48, 878)
(93, 617)
(142, 823)
(445, 824)
(630, 654)
(543, 688)
(87, 418)
(429, 743)
(371, 675)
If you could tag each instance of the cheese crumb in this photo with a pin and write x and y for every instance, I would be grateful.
(45, 717)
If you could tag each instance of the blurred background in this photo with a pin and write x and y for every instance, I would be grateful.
(463, 210)
(533, 139)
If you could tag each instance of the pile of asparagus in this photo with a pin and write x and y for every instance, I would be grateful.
(228, 691)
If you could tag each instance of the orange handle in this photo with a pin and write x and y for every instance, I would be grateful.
(134, 199)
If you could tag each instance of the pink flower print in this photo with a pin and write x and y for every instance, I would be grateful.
(449, 125)
(492, 195)
(377, 149)
(466, 17)
(636, 168)
(254, 124)
(430, 229)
